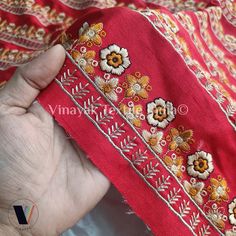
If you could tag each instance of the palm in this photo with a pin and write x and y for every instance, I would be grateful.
(48, 169)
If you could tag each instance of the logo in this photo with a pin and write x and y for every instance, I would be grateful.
(23, 214)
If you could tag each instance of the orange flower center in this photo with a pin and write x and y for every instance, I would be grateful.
(159, 113)
(114, 59)
(234, 211)
(107, 88)
(201, 165)
(152, 141)
(193, 191)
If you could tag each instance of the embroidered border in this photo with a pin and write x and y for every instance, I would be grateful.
(27, 36)
(172, 197)
(212, 65)
(14, 57)
(228, 11)
(44, 14)
(228, 106)
(82, 4)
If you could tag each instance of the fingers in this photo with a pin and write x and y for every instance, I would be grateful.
(28, 80)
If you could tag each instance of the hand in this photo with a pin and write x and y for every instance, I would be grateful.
(37, 160)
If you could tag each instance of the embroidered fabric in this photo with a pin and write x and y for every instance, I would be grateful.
(152, 83)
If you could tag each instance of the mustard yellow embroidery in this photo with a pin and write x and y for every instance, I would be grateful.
(132, 113)
(218, 189)
(216, 215)
(153, 139)
(45, 14)
(108, 86)
(85, 59)
(175, 164)
(91, 35)
(137, 86)
(180, 139)
(194, 189)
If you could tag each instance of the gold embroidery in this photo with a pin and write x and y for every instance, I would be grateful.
(24, 35)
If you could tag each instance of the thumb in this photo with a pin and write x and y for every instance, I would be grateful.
(29, 79)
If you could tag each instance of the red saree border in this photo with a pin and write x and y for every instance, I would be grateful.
(139, 196)
(173, 194)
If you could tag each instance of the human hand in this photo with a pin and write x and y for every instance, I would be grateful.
(37, 160)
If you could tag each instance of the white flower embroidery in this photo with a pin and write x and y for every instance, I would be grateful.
(216, 215)
(160, 113)
(153, 139)
(114, 59)
(91, 34)
(230, 233)
(200, 165)
(232, 212)
(108, 86)
(195, 190)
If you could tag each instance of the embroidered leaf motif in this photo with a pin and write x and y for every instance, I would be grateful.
(162, 183)
(67, 78)
(150, 171)
(194, 220)
(128, 144)
(204, 230)
(91, 104)
(174, 196)
(103, 117)
(231, 110)
(79, 91)
(184, 208)
(139, 157)
(115, 130)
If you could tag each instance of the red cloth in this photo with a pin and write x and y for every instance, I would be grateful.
(149, 95)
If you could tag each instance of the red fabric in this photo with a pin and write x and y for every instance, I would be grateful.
(173, 162)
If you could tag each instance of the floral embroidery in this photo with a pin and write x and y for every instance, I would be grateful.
(218, 189)
(195, 190)
(114, 59)
(91, 34)
(180, 139)
(232, 212)
(108, 87)
(153, 139)
(216, 215)
(200, 165)
(132, 113)
(175, 164)
(85, 59)
(137, 86)
(160, 113)
(230, 233)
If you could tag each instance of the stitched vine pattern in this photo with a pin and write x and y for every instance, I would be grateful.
(44, 14)
(24, 35)
(193, 169)
(170, 30)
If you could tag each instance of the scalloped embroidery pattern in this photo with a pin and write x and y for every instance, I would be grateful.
(24, 35)
(210, 61)
(169, 31)
(44, 14)
(229, 11)
(15, 57)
